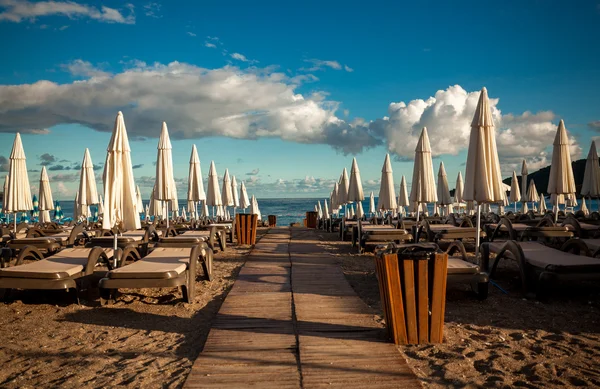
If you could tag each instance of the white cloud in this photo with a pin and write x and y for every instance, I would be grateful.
(239, 57)
(595, 125)
(319, 64)
(17, 11)
(84, 69)
(153, 10)
(61, 190)
(195, 102)
(348, 69)
(191, 33)
(211, 45)
(448, 116)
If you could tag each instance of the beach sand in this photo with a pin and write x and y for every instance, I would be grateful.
(149, 338)
(506, 341)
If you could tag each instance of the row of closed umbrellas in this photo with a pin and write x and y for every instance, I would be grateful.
(122, 201)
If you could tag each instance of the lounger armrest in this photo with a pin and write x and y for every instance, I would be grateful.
(577, 246)
(457, 246)
(29, 252)
(78, 229)
(34, 232)
(96, 255)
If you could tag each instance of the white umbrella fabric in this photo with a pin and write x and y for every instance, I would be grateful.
(372, 208)
(226, 193)
(100, 205)
(334, 198)
(195, 185)
(584, 207)
(235, 193)
(515, 192)
(183, 213)
(532, 193)
(17, 197)
(443, 191)
(119, 186)
(213, 197)
(591, 175)
(325, 209)
(403, 200)
(483, 178)
(423, 181)
(244, 201)
(343, 188)
(46, 202)
(319, 210)
(542, 206)
(387, 192)
(359, 210)
(205, 213)
(561, 180)
(88, 193)
(355, 188)
(165, 181)
(138, 200)
(524, 173)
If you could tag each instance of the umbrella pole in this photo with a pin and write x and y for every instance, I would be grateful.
(478, 231)
(15, 227)
(115, 251)
(556, 213)
(417, 225)
(167, 213)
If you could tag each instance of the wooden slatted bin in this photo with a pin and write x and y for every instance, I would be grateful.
(272, 220)
(311, 219)
(412, 285)
(245, 228)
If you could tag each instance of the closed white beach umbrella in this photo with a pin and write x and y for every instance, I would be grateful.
(372, 208)
(220, 212)
(46, 202)
(319, 210)
(359, 210)
(325, 209)
(443, 190)
(343, 188)
(213, 197)
(195, 184)
(234, 192)
(139, 204)
(532, 193)
(403, 200)
(183, 213)
(175, 203)
(423, 181)
(334, 198)
(561, 180)
(591, 177)
(165, 181)
(244, 201)
(515, 192)
(387, 191)
(119, 186)
(525, 208)
(350, 212)
(192, 210)
(458, 191)
(542, 205)
(483, 179)
(100, 205)
(524, 173)
(76, 208)
(17, 197)
(584, 207)
(226, 193)
(88, 193)
(436, 210)
(355, 188)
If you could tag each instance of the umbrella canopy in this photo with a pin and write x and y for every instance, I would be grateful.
(234, 192)
(561, 180)
(46, 202)
(183, 214)
(100, 206)
(423, 181)
(387, 192)
(17, 197)
(156, 207)
(325, 209)
(350, 212)
(458, 192)
(483, 179)
(213, 197)
(138, 200)
(319, 210)
(584, 207)
(359, 210)
(204, 209)
(591, 176)
(227, 194)
(355, 188)
(334, 197)
(254, 207)
(515, 192)
(174, 203)
(244, 201)
(343, 188)
(88, 194)
(443, 192)
(372, 208)
(119, 185)
(571, 200)
(532, 193)
(542, 206)
(191, 209)
(195, 184)
(403, 199)
(524, 174)
(164, 190)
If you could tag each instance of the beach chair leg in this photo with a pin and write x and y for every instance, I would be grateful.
(207, 265)
(75, 293)
(107, 296)
(481, 289)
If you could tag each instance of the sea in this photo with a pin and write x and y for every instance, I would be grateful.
(294, 210)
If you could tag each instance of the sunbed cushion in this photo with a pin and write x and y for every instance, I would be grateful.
(63, 264)
(137, 235)
(459, 266)
(161, 263)
(544, 257)
(196, 233)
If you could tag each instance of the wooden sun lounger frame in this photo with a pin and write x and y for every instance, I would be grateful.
(545, 229)
(425, 231)
(200, 252)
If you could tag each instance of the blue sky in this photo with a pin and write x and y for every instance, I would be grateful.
(285, 95)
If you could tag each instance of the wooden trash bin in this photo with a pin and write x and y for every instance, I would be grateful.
(245, 228)
(311, 219)
(272, 220)
(412, 285)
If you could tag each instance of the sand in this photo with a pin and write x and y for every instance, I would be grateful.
(506, 341)
(149, 338)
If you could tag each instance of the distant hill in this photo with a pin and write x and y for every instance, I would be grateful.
(542, 176)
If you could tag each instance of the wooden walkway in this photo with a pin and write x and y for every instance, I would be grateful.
(292, 320)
